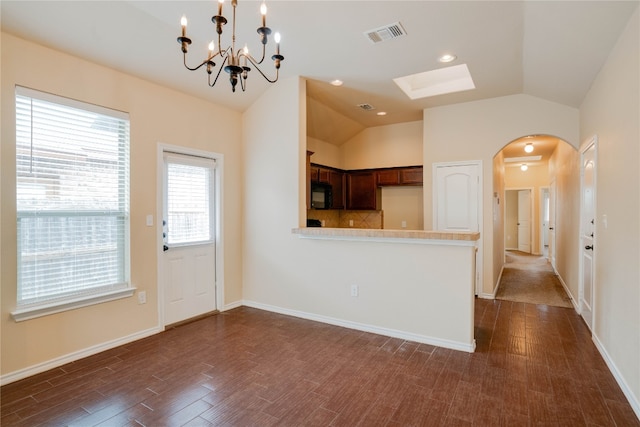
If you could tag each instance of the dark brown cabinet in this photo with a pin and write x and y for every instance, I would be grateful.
(400, 176)
(337, 181)
(362, 190)
(388, 177)
(411, 176)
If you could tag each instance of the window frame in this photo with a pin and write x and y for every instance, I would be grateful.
(82, 298)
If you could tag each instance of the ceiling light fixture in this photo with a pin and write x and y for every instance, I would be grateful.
(337, 82)
(528, 147)
(236, 60)
(447, 58)
(381, 113)
(524, 167)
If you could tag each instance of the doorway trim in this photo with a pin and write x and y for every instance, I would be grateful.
(218, 221)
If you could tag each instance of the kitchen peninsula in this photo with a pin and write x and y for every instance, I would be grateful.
(433, 278)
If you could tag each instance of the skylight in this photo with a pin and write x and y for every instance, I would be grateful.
(436, 82)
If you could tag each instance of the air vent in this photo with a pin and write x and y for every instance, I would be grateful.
(385, 33)
(367, 107)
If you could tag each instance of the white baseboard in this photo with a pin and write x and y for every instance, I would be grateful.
(633, 400)
(485, 295)
(454, 345)
(72, 357)
(232, 305)
(566, 289)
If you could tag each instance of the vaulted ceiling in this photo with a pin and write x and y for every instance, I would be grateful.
(548, 49)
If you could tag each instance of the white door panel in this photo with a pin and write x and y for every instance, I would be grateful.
(587, 233)
(457, 198)
(524, 221)
(189, 257)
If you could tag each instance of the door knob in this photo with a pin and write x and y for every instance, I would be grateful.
(165, 248)
(589, 247)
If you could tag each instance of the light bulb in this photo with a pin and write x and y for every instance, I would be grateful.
(528, 147)
(276, 37)
(524, 167)
(263, 9)
(212, 47)
(245, 50)
(183, 21)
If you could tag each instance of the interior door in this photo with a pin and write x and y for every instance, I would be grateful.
(587, 234)
(456, 203)
(189, 267)
(457, 196)
(524, 221)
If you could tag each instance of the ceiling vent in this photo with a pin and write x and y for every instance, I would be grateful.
(388, 32)
(366, 107)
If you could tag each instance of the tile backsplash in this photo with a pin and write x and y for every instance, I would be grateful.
(343, 219)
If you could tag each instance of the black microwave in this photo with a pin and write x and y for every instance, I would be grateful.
(321, 196)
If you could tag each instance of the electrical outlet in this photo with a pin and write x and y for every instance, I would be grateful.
(350, 223)
(354, 290)
(404, 224)
(142, 297)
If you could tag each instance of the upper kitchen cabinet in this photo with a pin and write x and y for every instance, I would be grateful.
(362, 190)
(400, 176)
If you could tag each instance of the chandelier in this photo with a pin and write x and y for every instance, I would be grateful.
(236, 61)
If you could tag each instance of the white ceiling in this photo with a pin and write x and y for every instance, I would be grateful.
(548, 49)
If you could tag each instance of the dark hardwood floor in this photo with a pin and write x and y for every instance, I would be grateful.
(534, 365)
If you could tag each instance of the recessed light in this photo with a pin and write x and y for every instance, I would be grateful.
(447, 58)
(381, 113)
(524, 167)
(337, 82)
(528, 147)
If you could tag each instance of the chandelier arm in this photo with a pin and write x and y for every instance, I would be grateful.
(260, 71)
(193, 69)
(264, 50)
(217, 75)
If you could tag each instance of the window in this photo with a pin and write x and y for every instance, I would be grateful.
(189, 207)
(72, 199)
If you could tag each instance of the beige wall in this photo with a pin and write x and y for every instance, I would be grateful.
(511, 219)
(157, 115)
(403, 204)
(325, 153)
(497, 202)
(406, 289)
(611, 110)
(384, 146)
(478, 131)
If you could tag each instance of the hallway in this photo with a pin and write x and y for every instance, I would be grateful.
(531, 279)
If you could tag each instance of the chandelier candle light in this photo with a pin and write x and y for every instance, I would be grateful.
(236, 60)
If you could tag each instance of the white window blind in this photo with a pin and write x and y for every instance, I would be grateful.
(72, 191)
(189, 204)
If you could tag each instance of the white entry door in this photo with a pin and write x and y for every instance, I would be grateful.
(456, 203)
(587, 233)
(189, 259)
(524, 221)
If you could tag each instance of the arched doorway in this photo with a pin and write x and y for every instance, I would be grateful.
(526, 174)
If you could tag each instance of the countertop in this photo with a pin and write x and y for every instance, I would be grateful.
(460, 237)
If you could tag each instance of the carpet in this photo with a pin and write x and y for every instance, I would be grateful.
(531, 279)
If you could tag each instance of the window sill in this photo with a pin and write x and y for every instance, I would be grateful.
(39, 310)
